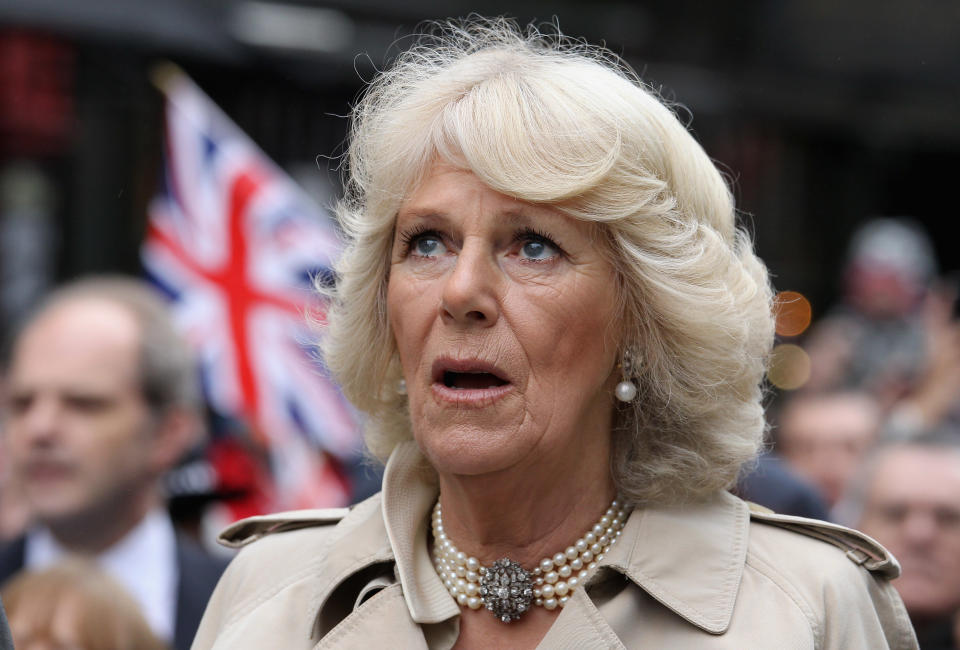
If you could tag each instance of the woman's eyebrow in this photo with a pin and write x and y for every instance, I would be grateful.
(540, 217)
(533, 214)
(429, 215)
(516, 216)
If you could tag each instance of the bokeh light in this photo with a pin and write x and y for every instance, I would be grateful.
(793, 313)
(789, 366)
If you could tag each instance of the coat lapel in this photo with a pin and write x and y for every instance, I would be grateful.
(408, 499)
(393, 532)
(382, 622)
(580, 625)
(362, 545)
(690, 558)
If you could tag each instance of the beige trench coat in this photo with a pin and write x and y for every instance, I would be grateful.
(714, 575)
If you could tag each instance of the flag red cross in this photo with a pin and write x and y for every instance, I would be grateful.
(231, 276)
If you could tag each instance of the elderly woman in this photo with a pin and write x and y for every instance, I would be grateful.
(558, 334)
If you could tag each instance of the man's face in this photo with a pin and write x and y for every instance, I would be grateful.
(78, 428)
(824, 439)
(913, 508)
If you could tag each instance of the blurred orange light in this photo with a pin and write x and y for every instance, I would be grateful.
(789, 367)
(793, 313)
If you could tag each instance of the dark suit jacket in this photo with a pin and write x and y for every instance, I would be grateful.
(6, 641)
(199, 573)
(774, 485)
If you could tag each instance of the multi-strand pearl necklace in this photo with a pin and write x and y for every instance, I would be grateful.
(505, 587)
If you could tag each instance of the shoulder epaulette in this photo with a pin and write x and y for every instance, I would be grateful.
(251, 529)
(860, 548)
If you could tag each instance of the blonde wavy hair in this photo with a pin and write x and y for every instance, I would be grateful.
(551, 120)
(98, 611)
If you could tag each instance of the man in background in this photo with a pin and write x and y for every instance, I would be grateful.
(824, 437)
(908, 498)
(100, 401)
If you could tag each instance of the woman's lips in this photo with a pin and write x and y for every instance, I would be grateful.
(473, 397)
(468, 382)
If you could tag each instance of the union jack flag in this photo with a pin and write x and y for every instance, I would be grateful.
(235, 244)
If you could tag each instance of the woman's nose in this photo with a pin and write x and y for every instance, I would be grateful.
(470, 290)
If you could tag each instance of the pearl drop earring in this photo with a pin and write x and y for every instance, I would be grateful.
(402, 386)
(626, 390)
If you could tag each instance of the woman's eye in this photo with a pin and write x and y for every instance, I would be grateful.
(428, 246)
(538, 249)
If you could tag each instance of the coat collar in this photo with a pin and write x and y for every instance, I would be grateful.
(689, 558)
(392, 528)
(409, 492)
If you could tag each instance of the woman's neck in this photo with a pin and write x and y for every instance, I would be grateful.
(522, 514)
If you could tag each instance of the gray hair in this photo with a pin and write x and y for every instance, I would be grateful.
(551, 120)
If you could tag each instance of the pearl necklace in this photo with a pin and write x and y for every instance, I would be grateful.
(505, 587)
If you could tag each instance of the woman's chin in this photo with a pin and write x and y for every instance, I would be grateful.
(463, 451)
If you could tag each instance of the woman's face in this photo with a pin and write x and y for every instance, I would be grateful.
(505, 320)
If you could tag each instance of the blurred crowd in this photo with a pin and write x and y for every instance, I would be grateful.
(870, 436)
(107, 477)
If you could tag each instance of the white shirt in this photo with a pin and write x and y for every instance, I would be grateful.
(144, 561)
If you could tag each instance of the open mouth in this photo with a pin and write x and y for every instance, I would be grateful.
(471, 376)
(471, 380)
